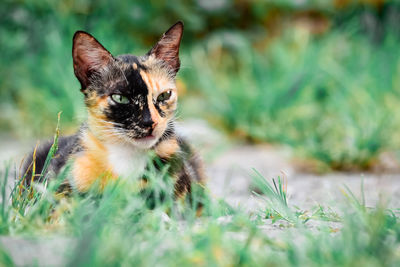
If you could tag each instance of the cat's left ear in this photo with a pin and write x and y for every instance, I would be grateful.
(167, 49)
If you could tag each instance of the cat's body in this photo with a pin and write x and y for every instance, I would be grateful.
(131, 103)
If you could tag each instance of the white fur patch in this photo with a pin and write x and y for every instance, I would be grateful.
(126, 160)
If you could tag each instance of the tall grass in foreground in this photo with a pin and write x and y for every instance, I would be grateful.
(118, 228)
(334, 98)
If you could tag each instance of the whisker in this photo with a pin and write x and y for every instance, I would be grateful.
(108, 122)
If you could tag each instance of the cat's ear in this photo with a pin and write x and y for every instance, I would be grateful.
(89, 57)
(167, 49)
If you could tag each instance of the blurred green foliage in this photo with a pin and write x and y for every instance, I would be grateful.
(335, 98)
(320, 76)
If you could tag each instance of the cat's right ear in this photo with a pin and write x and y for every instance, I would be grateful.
(89, 57)
(167, 49)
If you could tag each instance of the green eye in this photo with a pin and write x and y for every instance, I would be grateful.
(164, 96)
(120, 99)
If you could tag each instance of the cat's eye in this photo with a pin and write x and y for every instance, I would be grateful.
(164, 96)
(120, 99)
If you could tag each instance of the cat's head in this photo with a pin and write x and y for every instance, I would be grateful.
(129, 98)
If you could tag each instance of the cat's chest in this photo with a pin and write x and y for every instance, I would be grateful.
(126, 161)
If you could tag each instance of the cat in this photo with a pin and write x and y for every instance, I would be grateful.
(131, 102)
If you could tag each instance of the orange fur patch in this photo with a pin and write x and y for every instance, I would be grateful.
(91, 166)
(155, 117)
(158, 83)
(102, 102)
(153, 87)
(167, 148)
(147, 79)
(96, 108)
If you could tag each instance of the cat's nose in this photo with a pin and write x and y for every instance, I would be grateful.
(149, 123)
(149, 118)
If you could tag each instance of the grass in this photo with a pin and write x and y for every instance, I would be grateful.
(333, 97)
(121, 228)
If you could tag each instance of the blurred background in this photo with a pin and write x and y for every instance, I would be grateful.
(320, 78)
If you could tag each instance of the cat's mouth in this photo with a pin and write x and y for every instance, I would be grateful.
(145, 142)
(145, 139)
(149, 137)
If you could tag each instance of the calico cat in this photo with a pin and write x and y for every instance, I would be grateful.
(131, 102)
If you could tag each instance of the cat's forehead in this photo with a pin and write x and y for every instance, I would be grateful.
(141, 73)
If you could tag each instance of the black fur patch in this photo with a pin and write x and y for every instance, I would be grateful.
(134, 116)
(130, 59)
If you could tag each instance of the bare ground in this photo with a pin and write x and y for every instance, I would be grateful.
(231, 167)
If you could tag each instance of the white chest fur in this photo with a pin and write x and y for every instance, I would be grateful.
(126, 161)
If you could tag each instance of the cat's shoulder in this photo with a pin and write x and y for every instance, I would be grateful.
(66, 145)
